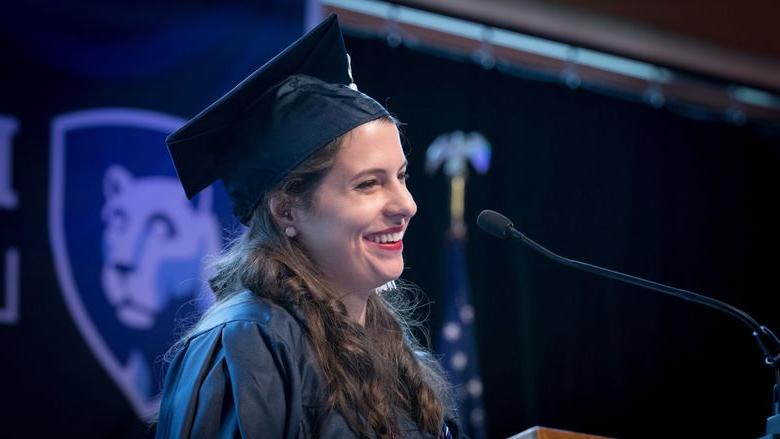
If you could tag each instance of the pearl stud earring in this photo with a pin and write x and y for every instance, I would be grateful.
(290, 231)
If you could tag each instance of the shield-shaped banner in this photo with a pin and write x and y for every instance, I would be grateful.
(128, 246)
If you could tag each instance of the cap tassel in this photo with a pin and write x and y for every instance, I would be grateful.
(352, 84)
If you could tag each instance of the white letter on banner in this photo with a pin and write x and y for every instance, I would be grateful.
(8, 127)
(9, 313)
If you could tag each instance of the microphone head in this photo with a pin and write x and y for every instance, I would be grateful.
(494, 223)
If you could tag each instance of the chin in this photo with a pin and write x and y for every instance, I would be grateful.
(384, 274)
(391, 276)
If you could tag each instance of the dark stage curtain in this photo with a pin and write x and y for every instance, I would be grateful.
(615, 183)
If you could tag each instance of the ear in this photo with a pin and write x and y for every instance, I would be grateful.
(282, 210)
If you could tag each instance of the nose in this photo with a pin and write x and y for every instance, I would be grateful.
(401, 204)
(123, 268)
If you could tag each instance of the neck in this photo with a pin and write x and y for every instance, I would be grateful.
(356, 306)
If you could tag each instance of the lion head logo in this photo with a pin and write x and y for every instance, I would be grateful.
(154, 243)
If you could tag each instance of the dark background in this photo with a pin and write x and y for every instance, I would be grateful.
(595, 178)
(614, 183)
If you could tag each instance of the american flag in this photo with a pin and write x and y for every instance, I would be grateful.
(457, 343)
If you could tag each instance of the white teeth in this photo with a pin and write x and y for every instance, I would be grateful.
(387, 237)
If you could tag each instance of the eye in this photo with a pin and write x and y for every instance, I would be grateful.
(117, 219)
(160, 223)
(404, 176)
(368, 184)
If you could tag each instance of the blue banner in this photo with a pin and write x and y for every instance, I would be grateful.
(107, 260)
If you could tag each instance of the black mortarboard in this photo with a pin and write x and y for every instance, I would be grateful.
(274, 119)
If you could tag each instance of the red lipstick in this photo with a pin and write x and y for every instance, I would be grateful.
(394, 246)
(391, 246)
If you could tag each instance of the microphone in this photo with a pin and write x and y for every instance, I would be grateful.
(501, 227)
(494, 223)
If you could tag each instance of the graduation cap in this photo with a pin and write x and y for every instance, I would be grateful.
(274, 119)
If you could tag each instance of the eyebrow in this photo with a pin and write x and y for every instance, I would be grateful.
(375, 171)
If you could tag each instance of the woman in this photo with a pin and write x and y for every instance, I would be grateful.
(299, 343)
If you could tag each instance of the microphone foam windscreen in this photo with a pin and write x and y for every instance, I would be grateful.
(494, 223)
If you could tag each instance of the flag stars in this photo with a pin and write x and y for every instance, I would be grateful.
(474, 387)
(451, 331)
(466, 314)
(476, 416)
(459, 360)
(457, 343)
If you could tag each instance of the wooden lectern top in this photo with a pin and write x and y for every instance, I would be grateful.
(552, 433)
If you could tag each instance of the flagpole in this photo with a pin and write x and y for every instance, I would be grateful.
(457, 206)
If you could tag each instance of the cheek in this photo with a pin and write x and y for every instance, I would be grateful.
(359, 216)
(336, 234)
(340, 226)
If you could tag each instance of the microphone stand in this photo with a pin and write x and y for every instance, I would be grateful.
(767, 340)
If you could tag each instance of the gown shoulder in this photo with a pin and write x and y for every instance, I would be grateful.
(237, 375)
(247, 371)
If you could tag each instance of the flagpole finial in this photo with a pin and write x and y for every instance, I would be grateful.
(453, 152)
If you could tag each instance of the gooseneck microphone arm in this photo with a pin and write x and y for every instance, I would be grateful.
(500, 226)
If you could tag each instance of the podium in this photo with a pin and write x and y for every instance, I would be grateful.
(552, 433)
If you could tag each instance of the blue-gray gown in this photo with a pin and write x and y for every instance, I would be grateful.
(249, 372)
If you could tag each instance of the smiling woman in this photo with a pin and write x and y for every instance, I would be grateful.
(360, 211)
(301, 343)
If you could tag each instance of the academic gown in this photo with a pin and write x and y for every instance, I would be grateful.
(249, 372)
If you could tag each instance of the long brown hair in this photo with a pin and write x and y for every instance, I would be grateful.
(372, 370)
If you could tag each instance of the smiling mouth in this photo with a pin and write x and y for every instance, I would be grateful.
(397, 245)
(387, 241)
(385, 238)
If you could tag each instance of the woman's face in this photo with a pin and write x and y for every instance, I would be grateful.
(360, 212)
